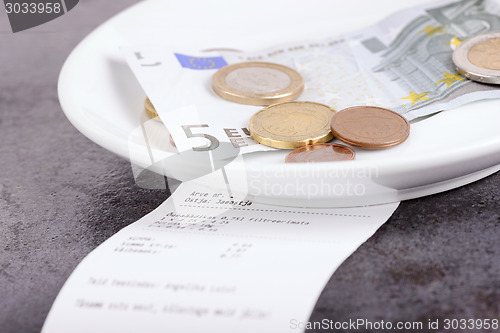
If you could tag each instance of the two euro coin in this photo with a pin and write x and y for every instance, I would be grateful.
(478, 58)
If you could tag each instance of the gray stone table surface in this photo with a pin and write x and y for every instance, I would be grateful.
(61, 195)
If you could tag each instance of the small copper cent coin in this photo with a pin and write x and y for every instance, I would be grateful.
(257, 83)
(322, 152)
(292, 125)
(370, 127)
(478, 58)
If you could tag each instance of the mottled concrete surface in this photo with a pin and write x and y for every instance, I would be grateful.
(61, 195)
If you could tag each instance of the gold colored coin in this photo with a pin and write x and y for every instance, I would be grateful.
(257, 83)
(292, 125)
(150, 110)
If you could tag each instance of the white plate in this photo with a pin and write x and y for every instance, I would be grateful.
(103, 100)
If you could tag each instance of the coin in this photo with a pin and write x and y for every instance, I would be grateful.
(322, 152)
(150, 110)
(478, 58)
(257, 83)
(292, 125)
(370, 127)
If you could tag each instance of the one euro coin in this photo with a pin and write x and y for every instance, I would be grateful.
(257, 83)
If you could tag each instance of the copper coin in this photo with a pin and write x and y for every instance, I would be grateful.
(370, 127)
(323, 152)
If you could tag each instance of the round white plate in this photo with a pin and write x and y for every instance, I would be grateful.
(103, 100)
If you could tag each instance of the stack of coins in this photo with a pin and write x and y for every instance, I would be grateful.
(282, 124)
(305, 126)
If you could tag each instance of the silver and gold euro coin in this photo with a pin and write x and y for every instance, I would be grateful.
(478, 58)
(257, 83)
